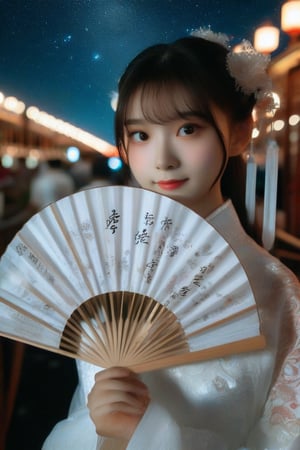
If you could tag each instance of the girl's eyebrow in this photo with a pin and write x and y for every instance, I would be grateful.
(135, 121)
(192, 114)
(180, 115)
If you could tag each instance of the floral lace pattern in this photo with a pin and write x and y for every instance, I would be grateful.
(283, 405)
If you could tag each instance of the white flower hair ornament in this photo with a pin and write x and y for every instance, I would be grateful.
(249, 69)
(209, 35)
(245, 65)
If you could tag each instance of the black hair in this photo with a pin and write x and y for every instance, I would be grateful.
(199, 68)
(100, 167)
(55, 163)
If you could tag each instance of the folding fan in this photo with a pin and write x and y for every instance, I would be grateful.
(123, 276)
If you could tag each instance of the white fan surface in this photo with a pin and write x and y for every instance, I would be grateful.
(91, 249)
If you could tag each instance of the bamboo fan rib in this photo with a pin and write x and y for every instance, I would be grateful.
(124, 276)
(124, 329)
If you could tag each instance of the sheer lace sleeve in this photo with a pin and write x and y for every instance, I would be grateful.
(279, 427)
(161, 432)
(77, 432)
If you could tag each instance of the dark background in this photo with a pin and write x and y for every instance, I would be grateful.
(45, 391)
(66, 56)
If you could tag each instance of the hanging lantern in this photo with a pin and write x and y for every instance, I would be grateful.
(266, 38)
(290, 18)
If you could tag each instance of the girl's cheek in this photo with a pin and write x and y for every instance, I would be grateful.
(199, 159)
(140, 168)
(137, 159)
(210, 155)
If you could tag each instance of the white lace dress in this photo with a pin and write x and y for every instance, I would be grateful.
(250, 401)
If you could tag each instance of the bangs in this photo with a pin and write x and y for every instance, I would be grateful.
(166, 90)
(165, 100)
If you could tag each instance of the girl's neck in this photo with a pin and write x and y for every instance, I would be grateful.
(208, 205)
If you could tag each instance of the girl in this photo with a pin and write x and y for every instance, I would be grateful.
(184, 116)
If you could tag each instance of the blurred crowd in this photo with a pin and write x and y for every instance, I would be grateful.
(24, 191)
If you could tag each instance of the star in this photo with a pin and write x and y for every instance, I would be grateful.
(96, 56)
(67, 38)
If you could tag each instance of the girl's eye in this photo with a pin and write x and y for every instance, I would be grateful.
(138, 136)
(187, 129)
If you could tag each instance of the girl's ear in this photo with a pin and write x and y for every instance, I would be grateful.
(240, 137)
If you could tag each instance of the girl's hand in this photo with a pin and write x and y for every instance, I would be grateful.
(117, 402)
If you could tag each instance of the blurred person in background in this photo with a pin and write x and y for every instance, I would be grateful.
(101, 174)
(15, 207)
(52, 183)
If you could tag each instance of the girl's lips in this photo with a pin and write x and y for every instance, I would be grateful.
(169, 185)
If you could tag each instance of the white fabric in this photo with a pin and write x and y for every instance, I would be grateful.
(249, 401)
(76, 432)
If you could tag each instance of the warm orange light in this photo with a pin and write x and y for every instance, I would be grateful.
(290, 17)
(62, 127)
(266, 39)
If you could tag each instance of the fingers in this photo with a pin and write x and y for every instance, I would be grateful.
(118, 389)
(117, 402)
(115, 372)
(122, 380)
(119, 407)
(110, 400)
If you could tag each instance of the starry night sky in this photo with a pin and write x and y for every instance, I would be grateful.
(66, 56)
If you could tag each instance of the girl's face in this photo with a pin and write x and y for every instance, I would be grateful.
(180, 158)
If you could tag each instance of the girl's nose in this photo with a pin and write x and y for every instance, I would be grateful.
(165, 157)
